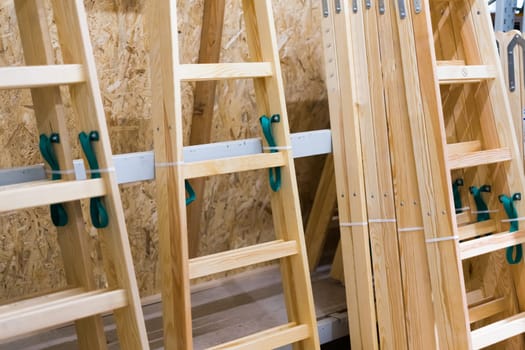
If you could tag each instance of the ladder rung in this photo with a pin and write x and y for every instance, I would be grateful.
(477, 229)
(56, 309)
(268, 339)
(233, 165)
(486, 310)
(475, 297)
(38, 76)
(492, 243)
(462, 218)
(498, 331)
(220, 71)
(460, 74)
(34, 194)
(464, 147)
(232, 259)
(470, 159)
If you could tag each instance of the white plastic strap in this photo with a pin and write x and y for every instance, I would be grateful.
(515, 219)
(168, 164)
(441, 239)
(60, 172)
(463, 209)
(100, 171)
(410, 229)
(381, 220)
(352, 224)
(277, 148)
(484, 211)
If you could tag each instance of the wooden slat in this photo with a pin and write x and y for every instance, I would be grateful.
(268, 339)
(498, 331)
(464, 147)
(455, 74)
(38, 76)
(475, 296)
(486, 310)
(490, 243)
(462, 218)
(477, 229)
(31, 316)
(203, 105)
(14, 305)
(470, 159)
(220, 71)
(39, 193)
(232, 259)
(233, 165)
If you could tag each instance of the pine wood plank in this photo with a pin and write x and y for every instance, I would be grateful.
(471, 159)
(241, 257)
(498, 331)
(39, 76)
(234, 164)
(464, 147)
(457, 74)
(223, 71)
(203, 105)
(477, 229)
(491, 243)
(72, 26)
(486, 310)
(41, 315)
(33, 194)
(271, 338)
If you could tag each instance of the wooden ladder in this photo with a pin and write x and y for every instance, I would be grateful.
(82, 302)
(172, 172)
(449, 59)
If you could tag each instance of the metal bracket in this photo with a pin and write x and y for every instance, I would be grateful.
(337, 6)
(325, 8)
(402, 9)
(417, 6)
(381, 7)
(517, 40)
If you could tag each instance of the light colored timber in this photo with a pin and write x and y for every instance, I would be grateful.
(321, 214)
(498, 331)
(464, 147)
(475, 296)
(455, 74)
(50, 114)
(38, 76)
(241, 257)
(462, 218)
(234, 165)
(268, 339)
(222, 71)
(471, 159)
(486, 310)
(167, 75)
(203, 105)
(477, 229)
(43, 314)
(33, 194)
(491, 243)
(86, 101)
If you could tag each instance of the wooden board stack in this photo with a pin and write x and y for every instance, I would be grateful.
(424, 151)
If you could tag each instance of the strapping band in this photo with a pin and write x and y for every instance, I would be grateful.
(352, 224)
(484, 211)
(441, 239)
(60, 172)
(276, 148)
(410, 229)
(381, 220)
(100, 171)
(514, 219)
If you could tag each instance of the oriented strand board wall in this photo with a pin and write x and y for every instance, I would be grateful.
(237, 210)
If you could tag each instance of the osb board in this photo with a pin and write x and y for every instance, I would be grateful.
(237, 212)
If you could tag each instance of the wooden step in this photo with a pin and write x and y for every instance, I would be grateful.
(492, 243)
(222, 71)
(233, 164)
(462, 218)
(241, 257)
(461, 74)
(38, 76)
(477, 229)
(471, 159)
(269, 339)
(34, 194)
(487, 309)
(498, 331)
(56, 309)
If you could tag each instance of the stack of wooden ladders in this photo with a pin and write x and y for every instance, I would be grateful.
(484, 148)
(82, 302)
(172, 172)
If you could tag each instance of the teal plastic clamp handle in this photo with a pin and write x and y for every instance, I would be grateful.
(513, 254)
(274, 173)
